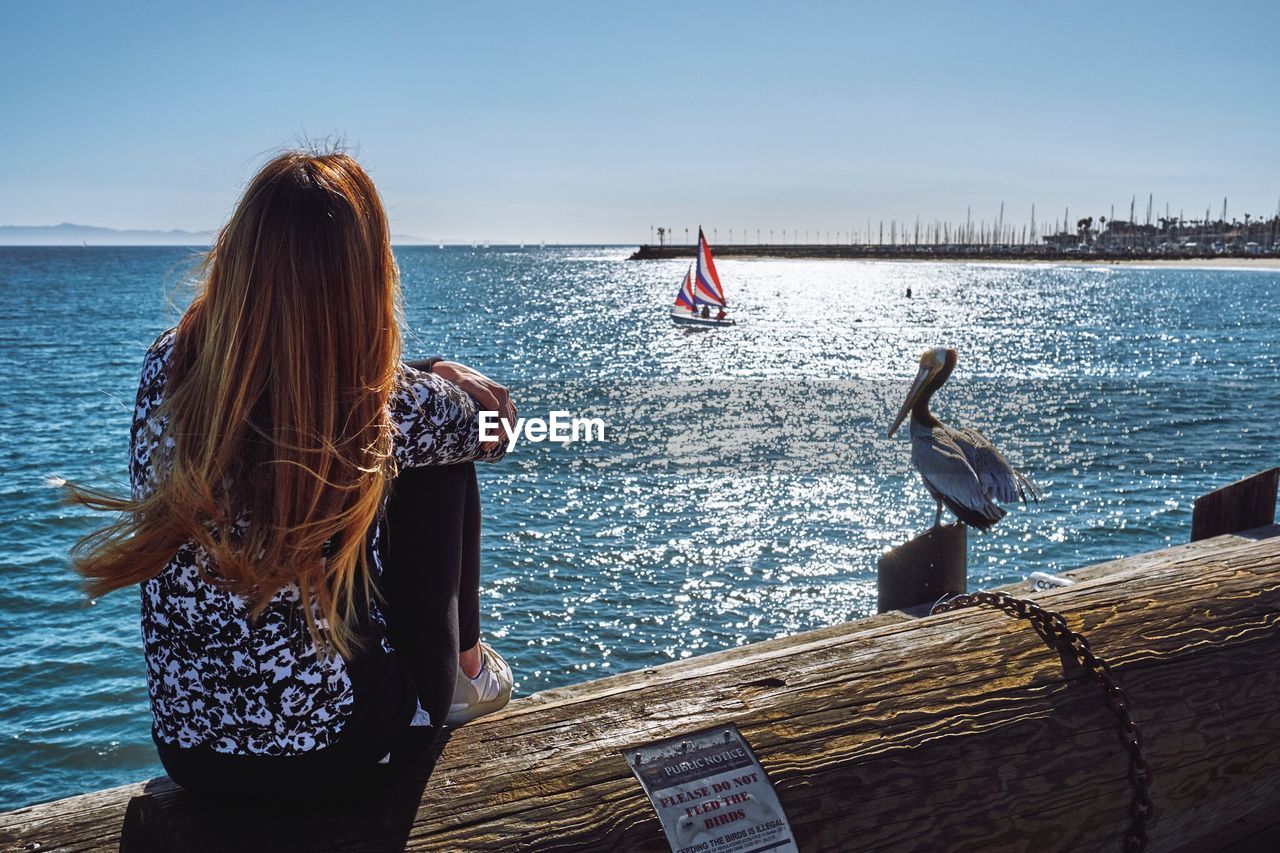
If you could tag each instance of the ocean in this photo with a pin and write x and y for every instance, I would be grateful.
(744, 486)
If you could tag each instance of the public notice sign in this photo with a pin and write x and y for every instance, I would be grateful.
(711, 794)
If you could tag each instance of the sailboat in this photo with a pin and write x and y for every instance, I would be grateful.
(700, 300)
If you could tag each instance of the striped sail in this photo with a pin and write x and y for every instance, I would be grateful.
(707, 282)
(685, 298)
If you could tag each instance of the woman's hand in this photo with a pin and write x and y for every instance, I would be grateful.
(489, 395)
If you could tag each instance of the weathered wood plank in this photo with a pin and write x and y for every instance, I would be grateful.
(84, 822)
(916, 726)
(1243, 505)
(939, 725)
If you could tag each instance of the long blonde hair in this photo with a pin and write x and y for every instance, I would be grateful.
(276, 398)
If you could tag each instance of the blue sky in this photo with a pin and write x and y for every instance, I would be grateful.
(592, 122)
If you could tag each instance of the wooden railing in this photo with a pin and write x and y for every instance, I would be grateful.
(956, 731)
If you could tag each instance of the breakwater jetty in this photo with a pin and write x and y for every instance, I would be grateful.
(1104, 238)
(931, 252)
(963, 729)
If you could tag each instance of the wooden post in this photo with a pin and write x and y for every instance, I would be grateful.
(924, 569)
(1243, 505)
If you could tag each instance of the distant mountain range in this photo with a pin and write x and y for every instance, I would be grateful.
(69, 234)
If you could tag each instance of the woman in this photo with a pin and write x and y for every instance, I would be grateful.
(302, 612)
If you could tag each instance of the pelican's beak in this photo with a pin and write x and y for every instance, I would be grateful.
(922, 379)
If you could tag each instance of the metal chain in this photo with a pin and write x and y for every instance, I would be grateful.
(1053, 628)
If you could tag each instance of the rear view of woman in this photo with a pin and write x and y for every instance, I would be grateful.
(304, 520)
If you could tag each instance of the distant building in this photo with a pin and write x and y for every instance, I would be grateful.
(1171, 237)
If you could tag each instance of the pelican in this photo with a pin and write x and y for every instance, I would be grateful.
(960, 467)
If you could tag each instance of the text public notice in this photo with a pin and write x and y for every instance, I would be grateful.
(711, 794)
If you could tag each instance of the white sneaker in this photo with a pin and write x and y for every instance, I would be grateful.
(489, 691)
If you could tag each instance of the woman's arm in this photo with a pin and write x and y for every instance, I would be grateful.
(489, 395)
(435, 414)
(147, 442)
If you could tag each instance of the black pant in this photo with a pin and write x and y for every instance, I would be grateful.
(431, 576)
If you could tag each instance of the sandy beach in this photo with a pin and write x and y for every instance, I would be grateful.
(1195, 263)
(1135, 263)
(901, 254)
(1258, 264)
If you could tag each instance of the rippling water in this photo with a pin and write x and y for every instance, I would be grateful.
(745, 486)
